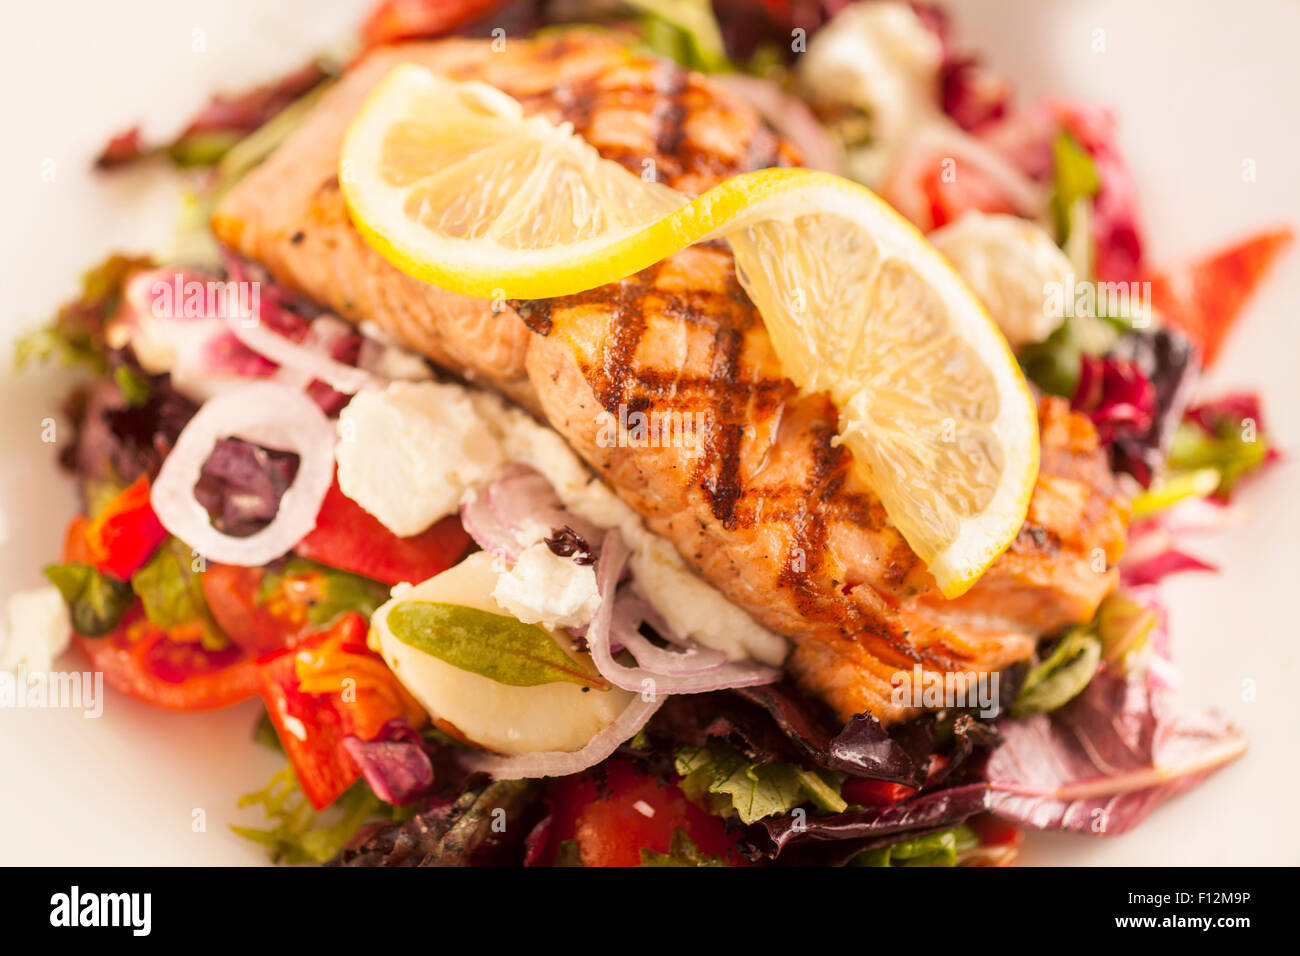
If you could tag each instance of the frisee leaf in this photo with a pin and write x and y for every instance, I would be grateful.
(96, 601)
(751, 790)
(301, 835)
(494, 646)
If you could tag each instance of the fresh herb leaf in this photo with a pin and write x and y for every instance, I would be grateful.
(171, 590)
(1061, 677)
(752, 790)
(96, 601)
(495, 646)
(1123, 626)
(933, 849)
(682, 851)
(685, 31)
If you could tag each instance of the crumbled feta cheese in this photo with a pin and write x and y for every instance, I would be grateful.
(37, 630)
(881, 59)
(1010, 264)
(407, 453)
(692, 606)
(547, 589)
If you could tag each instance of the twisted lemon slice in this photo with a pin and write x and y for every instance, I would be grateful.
(455, 186)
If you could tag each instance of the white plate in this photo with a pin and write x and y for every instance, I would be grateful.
(1200, 86)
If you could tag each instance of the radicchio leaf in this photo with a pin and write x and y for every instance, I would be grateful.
(867, 828)
(1104, 761)
(394, 763)
(1168, 360)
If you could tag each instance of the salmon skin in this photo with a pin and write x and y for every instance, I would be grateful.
(764, 504)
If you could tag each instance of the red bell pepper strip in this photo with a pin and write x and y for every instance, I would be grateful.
(1204, 298)
(351, 539)
(123, 537)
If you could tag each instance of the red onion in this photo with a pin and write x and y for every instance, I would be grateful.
(498, 512)
(688, 680)
(268, 414)
(561, 763)
(629, 612)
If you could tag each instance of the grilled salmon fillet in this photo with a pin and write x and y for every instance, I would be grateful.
(765, 504)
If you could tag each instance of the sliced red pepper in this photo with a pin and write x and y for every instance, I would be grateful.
(875, 793)
(312, 721)
(350, 538)
(1205, 297)
(123, 537)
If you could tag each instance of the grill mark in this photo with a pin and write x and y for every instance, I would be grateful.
(722, 447)
(536, 314)
(670, 113)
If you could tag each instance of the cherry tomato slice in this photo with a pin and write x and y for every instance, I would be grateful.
(615, 813)
(139, 659)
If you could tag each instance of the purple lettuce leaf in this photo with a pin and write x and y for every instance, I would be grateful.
(1106, 760)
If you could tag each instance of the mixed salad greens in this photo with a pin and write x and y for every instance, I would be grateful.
(753, 772)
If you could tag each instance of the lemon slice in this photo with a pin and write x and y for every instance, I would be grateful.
(455, 186)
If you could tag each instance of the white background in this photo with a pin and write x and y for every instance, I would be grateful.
(1200, 86)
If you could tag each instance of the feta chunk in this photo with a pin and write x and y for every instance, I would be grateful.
(37, 630)
(545, 588)
(1010, 264)
(407, 453)
(881, 59)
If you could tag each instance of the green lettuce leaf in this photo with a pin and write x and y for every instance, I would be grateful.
(934, 849)
(171, 591)
(1061, 677)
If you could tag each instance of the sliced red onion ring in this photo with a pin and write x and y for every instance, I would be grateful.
(271, 415)
(624, 631)
(614, 556)
(499, 511)
(561, 763)
(311, 362)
